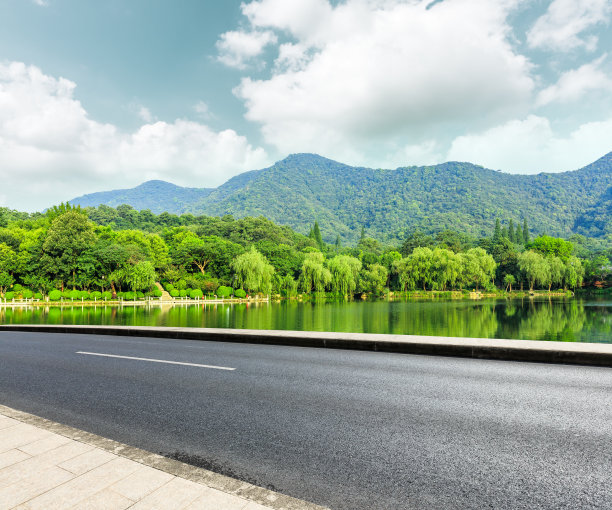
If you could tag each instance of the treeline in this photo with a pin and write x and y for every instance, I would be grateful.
(70, 252)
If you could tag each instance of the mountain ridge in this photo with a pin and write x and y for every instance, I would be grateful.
(463, 196)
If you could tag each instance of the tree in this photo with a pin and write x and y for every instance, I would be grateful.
(478, 267)
(518, 235)
(497, 233)
(373, 279)
(552, 247)
(314, 275)
(68, 237)
(556, 269)
(526, 237)
(316, 234)
(141, 276)
(415, 269)
(344, 271)
(6, 280)
(416, 240)
(574, 272)
(509, 280)
(253, 271)
(534, 266)
(511, 232)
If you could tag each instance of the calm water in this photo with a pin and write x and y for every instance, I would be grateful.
(571, 320)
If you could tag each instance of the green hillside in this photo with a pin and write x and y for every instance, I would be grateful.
(460, 196)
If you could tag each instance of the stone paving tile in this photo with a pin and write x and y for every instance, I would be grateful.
(31, 486)
(213, 499)
(20, 435)
(5, 422)
(174, 495)
(141, 482)
(106, 499)
(11, 457)
(87, 461)
(83, 487)
(44, 445)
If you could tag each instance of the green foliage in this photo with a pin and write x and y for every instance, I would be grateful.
(196, 294)
(344, 271)
(96, 295)
(27, 294)
(183, 293)
(9, 296)
(106, 295)
(55, 295)
(315, 277)
(157, 293)
(74, 294)
(174, 293)
(38, 296)
(253, 271)
(552, 247)
(224, 292)
(373, 279)
(240, 293)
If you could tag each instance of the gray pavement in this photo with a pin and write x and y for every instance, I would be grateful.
(344, 429)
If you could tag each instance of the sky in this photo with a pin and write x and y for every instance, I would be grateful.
(106, 95)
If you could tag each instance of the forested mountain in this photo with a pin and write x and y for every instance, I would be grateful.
(303, 188)
(157, 196)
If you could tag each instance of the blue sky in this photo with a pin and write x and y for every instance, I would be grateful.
(101, 95)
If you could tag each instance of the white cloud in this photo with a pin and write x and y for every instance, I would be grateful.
(531, 146)
(145, 114)
(563, 25)
(201, 108)
(42, 3)
(371, 73)
(237, 48)
(574, 84)
(50, 150)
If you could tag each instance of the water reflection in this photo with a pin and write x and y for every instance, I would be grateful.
(570, 320)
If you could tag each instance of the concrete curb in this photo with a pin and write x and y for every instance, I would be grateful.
(480, 348)
(222, 483)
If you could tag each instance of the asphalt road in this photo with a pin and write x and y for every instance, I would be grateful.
(350, 430)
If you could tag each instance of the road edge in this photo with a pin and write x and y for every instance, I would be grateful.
(199, 475)
(575, 353)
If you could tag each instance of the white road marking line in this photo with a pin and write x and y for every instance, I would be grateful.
(154, 360)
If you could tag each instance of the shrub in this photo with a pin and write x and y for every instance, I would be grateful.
(157, 293)
(174, 293)
(128, 296)
(9, 296)
(183, 293)
(66, 294)
(224, 291)
(74, 294)
(240, 293)
(96, 295)
(84, 294)
(27, 294)
(55, 295)
(181, 284)
(196, 294)
(169, 287)
(17, 288)
(140, 295)
(107, 295)
(38, 295)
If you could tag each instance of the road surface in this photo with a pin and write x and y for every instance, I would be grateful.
(346, 429)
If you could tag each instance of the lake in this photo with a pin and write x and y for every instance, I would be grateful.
(563, 319)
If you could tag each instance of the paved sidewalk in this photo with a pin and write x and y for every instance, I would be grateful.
(45, 465)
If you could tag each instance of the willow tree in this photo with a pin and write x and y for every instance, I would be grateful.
(253, 271)
(315, 276)
(535, 267)
(344, 271)
(574, 272)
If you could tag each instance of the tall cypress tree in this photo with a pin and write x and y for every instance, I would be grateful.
(317, 234)
(511, 233)
(362, 233)
(504, 233)
(526, 238)
(338, 243)
(497, 233)
(518, 235)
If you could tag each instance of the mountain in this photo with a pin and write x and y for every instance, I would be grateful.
(303, 188)
(158, 196)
